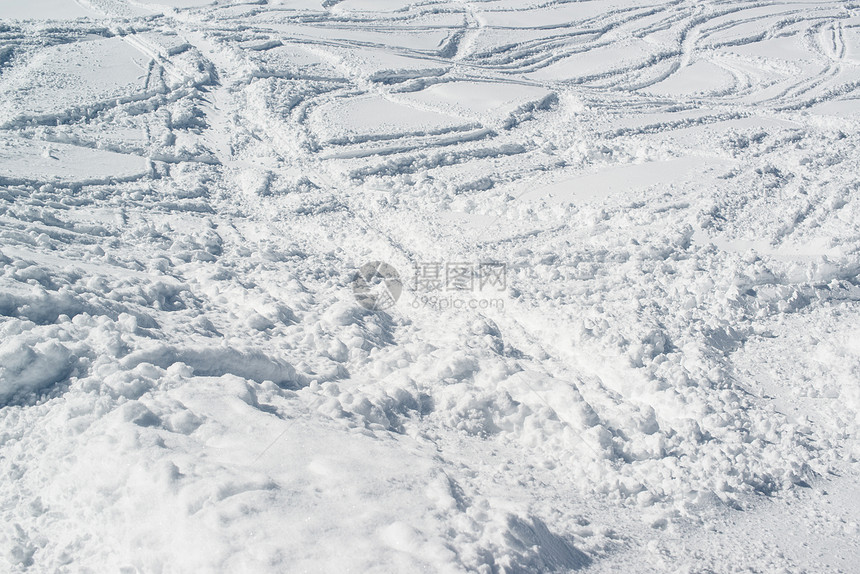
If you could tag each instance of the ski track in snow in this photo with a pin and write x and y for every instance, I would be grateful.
(188, 384)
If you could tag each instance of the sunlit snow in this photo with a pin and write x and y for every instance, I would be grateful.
(388, 286)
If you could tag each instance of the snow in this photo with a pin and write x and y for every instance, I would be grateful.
(664, 377)
(25, 160)
(73, 76)
(374, 118)
(52, 9)
(486, 101)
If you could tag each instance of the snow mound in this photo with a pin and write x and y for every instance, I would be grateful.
(26, 369)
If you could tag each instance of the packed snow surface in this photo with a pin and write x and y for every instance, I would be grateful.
(623, 334)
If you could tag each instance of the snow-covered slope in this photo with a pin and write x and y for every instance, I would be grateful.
(644, 355)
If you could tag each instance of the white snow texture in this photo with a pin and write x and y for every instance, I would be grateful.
(393, 286)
